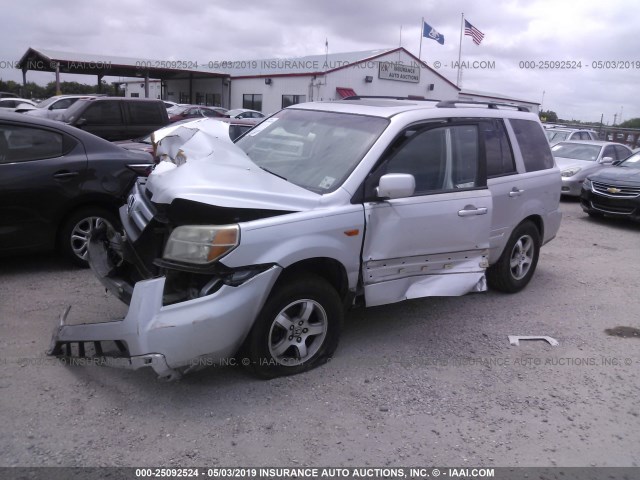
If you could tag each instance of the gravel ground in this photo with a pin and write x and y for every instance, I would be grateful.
(425, 382)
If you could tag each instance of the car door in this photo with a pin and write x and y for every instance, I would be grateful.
(143, 117)
(435, 241)
(41, 170)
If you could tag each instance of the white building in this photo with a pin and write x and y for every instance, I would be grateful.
(269, 85)
(135, 88)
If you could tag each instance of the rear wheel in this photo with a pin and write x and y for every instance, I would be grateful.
(298, 328)
(513, 271)
(77, 229)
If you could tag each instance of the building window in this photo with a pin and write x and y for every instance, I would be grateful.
(184, 98)
(213, 100)
(199, 98)
(288, 100)
(135, 95)
(252, 101)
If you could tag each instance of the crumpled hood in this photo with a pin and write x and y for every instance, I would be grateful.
(217, 172)
(620, 175)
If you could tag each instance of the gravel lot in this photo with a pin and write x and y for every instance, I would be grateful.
(425, 382)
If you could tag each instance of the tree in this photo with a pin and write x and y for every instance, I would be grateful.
(548, 116)
(631, 123)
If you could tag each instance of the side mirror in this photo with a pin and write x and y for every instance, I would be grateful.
(607, 160)
(81, 122)
(396, 185)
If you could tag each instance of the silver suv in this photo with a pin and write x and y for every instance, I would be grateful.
(254, 250)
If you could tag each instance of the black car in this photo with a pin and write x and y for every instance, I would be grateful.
(117, 118)
(57, 183)
(614, 190)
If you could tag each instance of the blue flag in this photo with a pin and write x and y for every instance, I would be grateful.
(432, 33)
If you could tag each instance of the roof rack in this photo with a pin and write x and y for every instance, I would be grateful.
(491, 105)
(391, 97)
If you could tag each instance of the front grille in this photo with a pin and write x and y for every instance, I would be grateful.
(617, 191)
(612, 209)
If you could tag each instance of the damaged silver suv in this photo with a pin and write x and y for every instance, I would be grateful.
(254, 250)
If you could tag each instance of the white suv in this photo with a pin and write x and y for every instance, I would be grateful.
(256, 249)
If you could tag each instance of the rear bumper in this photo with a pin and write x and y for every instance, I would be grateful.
(174, 338)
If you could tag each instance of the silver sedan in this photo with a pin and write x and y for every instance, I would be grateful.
(578, 159)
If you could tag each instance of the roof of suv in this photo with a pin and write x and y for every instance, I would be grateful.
(389, 107)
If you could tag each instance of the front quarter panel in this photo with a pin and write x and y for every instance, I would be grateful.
(334, 233)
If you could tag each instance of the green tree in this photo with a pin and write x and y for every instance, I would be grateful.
(631, 123)
(548, 116)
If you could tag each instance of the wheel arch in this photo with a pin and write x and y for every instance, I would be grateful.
(105, 203)
(330, 269)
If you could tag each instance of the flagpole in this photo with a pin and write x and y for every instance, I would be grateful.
(421, 35)
(400, 36)
(460, 51)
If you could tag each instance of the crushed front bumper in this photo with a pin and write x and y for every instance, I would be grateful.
(171, 339)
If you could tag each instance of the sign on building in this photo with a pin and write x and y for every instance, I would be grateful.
(398, 72)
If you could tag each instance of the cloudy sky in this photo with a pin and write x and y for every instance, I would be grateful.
(585, 31)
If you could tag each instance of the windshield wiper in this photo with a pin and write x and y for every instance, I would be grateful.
(273, 173)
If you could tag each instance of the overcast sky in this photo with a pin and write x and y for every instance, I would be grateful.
(583, 31)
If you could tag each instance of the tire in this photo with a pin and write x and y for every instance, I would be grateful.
(74, 234)
(517, 264)
(298, 328)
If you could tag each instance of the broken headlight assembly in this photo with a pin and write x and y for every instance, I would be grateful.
(201, 244)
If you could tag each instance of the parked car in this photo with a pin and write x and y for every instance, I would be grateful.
(579, 159)
(556, 135)
(195, 111)
(8, 95)
(53, 107)
(244, 113)
(10, 104)
(614, 190)
(258, 246)
(117, 118)
(169, 104)
(57, 183)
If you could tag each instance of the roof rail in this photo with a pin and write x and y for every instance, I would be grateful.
(391, 97)
(492, 105)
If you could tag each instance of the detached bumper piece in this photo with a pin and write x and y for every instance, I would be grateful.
(104, 353)
(171, 339)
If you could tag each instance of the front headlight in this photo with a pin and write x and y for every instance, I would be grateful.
(586, 184)
(201, 244)
(570, 172)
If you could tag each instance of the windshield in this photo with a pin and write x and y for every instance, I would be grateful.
(47, 102)
(554, 136)
(69, 114)
(632, 162)
(315, 150)
(577, 151)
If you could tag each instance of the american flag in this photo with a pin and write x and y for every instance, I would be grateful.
(473, 32)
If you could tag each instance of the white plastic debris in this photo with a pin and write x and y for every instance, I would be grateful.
(515, 339)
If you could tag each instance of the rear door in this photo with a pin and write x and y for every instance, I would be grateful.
(41, 171)
(435, 242)
(104, 118)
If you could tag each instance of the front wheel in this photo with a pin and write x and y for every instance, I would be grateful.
(298, 328)
(513, 271)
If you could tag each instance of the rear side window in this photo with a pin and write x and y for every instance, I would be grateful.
(621, 152)
(533, 145)
(145, 113)
(24, 144)
(103, 113)
(497, 149)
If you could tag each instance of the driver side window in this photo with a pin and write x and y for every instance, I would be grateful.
(440, 159)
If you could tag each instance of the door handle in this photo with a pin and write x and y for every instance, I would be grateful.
(470, 210)
(515, 192)
(65, 174)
